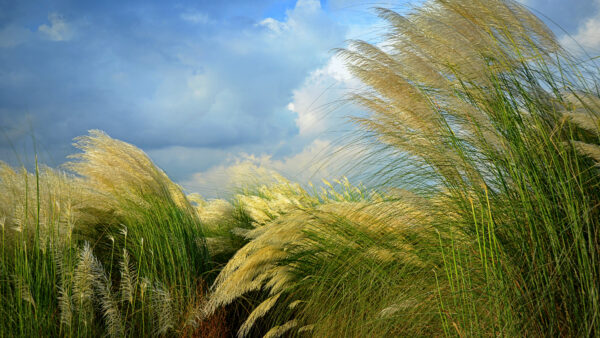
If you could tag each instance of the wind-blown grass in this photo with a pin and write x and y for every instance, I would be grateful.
(497, 131)
(472, 104)
(499, 127)
(144, 237)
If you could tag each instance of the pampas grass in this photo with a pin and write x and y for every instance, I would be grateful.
(118, 200)
(498, 127)
(485, 135)
(508, 131)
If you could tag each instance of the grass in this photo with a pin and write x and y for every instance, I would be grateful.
(116, 249)
(473, 105)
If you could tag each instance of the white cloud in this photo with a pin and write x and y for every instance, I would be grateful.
(587, 36)
(320, 159)
(233, 87)
(58, 30)
(194, 100)
(274, 25)
(322, 92)
(306, 22)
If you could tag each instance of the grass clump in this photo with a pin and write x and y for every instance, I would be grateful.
(496, 131)
(115, 246)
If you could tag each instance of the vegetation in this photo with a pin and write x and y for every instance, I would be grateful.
(484, 221)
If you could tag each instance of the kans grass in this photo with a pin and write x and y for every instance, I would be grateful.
(483, 219)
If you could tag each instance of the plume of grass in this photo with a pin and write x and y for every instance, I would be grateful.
(218, 218)
(48, 215)
(502, 122)
(103, 289)
(128, 279)
(500, 127)
(83, 287)
(280, 330)
(132, 174)
(286, 257)
(43, 205)
(163, 237)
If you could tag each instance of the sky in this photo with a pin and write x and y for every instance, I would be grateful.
(203, 87)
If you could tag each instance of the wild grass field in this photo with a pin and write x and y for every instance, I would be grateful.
(484, 220)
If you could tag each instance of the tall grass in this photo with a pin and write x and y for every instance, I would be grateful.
(114, 248)
(499, 128)
(472, 104)
(507, 123)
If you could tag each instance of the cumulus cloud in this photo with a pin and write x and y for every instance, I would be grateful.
(319, 160)
(233, 87)
(276, 26)
(58, 29)
(587, 36)
(198, 88)
(321, 95)
(573, 19)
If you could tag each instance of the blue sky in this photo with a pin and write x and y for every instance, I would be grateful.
(199, 85)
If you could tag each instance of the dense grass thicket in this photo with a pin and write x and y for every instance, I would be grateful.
(473, 105)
